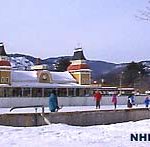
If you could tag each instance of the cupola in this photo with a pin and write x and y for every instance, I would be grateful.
(79, 68)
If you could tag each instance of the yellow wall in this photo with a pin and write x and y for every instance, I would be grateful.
(5, 77)
(76, 76)
(83, 78)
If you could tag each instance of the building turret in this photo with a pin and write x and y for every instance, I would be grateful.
(3, 55)
(78, 54)
(79, 68)
(5, 66)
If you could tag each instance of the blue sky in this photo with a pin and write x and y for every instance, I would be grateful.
(107, 29)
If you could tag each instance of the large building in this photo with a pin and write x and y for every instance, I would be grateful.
(39, 82)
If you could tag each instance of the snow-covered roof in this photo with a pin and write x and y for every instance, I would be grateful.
(22, 76)
(62, 77)
(32, 76)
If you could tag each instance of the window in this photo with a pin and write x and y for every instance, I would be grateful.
(47, 92)
(8, 92)
(2, 79)
(26, 92)
(1, 92)
(17, 92)
(62, 91)
(7, 80)
(71, 92)
(37, 92)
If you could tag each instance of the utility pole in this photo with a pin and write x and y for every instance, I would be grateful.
(139, 74)
(102, 82)
(120, 83)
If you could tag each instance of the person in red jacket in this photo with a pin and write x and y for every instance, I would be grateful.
(97, 97)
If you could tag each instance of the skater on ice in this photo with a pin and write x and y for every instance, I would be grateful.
(147, 101)
(53, 102)
(97, 97)
(114, 100)
(129, 102)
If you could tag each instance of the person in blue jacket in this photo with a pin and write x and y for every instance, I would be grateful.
(147, 101)
(53, 102)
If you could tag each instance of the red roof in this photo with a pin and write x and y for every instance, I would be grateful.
(77, 67)
(5, 63)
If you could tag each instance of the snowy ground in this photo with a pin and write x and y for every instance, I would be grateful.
(62, 135)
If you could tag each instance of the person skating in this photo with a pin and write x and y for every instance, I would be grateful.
(129, 102)
(147, 101)
(53, 102)
(97, 97)
(114, 100)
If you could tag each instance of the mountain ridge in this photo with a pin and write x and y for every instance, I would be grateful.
(23, 62)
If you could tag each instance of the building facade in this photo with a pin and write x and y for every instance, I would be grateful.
(39, 81)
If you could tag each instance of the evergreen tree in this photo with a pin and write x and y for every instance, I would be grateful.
(133, 72)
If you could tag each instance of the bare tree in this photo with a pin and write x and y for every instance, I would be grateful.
(144, 14)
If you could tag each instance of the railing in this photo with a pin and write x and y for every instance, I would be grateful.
(33, 106)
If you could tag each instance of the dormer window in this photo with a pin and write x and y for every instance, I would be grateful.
(4, 80)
